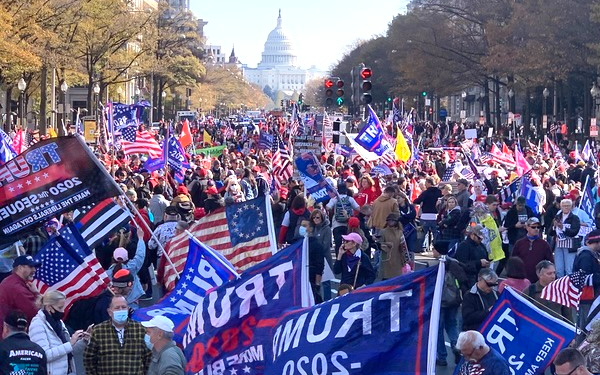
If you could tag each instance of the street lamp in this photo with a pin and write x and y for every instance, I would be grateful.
(64, 88)
(511, 95)
(96, 90)
(119, 93)
(22, 85)
(464, 96)
(546, 94)
(162, 108)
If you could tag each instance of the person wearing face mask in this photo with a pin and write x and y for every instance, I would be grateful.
(479, 357)
(316, 258)
(117, 346)
(167, 358)
(48, 331)
(480, 299)
(17, 291)
(532, 249)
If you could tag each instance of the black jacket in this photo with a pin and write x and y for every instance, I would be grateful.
(588, 261)
(316, 259)
(469, 254)
(451, 225)
(511, 219)
(427, 199)
(474, 311)
(33, 359)
(366, 273)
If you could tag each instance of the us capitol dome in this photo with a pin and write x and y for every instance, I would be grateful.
(278, 66)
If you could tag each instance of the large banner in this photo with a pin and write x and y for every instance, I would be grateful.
(204, 270)
(528, 337)
(51, 177)
(385, 328)
(230, 329)
(316, 186)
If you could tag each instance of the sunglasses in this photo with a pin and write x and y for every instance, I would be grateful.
(317, 217)
(491, 285)
(535, 227)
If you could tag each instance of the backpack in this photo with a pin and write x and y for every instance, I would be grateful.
(451, 294)
(341, 213)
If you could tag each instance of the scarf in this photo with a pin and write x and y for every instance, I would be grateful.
(57, 327)
(352, 259)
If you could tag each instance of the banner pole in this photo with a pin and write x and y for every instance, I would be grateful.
(151, 233)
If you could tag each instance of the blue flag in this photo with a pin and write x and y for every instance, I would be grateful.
(124, 115)
(231, 328)
(6, 151)
(587, 201)
(371, 136)
(526, 336)
(385, 328)
(175, 157)
(265, 142)
(314, 182)
(204, 270)
(530, 194)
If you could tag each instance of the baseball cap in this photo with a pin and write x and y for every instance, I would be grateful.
(161, 322)
(26, 260)
(211, 190)
(353, 237)
(122, 278)
(463, 181)
(16, 319)
(121, 253)
(476, 230)
(593, 236)
(532, 220)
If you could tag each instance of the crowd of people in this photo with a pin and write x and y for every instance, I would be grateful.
(371, 230)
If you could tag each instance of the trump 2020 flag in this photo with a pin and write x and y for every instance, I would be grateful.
(230, 330)
(69, 266)
(314, 182)
(204, 270)
(529, 338)
(530, 195)
(385, 328)
(174, 156)
(371, 136)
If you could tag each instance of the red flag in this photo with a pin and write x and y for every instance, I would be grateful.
(185, 138)
(506, 150)
(19, 142)
(546, 146)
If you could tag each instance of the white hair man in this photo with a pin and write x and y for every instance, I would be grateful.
(479, 356)
(167, 358)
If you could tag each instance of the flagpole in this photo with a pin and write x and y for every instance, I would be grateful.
(583, 190)
(151, 232)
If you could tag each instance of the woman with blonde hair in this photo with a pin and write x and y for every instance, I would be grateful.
(49, 331)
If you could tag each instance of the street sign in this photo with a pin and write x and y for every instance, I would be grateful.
(545, 121)
(427, 102)
(593, 128)
(443, 112)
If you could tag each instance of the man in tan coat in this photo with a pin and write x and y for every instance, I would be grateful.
(384, 205)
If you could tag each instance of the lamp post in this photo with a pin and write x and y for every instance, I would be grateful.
(96, 90)
(546, 94)
(119, 93)
(64, 88)
(162, 107)
(464, 111)
(22, 85)
(137, 94)
(511, 95)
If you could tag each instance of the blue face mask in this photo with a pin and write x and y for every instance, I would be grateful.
(120, 316)
(302, 231)
(148, 342)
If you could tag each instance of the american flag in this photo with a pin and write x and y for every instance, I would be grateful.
(566, 291)
(143, 143)
(283, 166)
(69, 266)
(96, 222)
(239, 231)
(32, 137)
(449, 172)
(297, 126)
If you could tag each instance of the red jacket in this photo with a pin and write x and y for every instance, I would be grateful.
(15, 295)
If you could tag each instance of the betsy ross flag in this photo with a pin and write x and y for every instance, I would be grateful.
(69, 266)
(241, 232)
(139, 142)
(96, 222)
(566, 291)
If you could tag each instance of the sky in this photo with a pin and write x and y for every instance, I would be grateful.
(321, 30)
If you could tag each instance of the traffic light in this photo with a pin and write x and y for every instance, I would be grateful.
(340, 93)
(424, 93)
(281, 103)
(328, 92)
(366, 85)
(300, 97)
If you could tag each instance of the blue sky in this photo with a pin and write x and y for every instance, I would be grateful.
(311, 24)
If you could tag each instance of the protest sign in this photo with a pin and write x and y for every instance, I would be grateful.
(307, 143)
(315, 184)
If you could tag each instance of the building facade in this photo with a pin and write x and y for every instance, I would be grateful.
(278, 66)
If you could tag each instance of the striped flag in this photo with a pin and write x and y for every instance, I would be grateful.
(6, 151)
(69, 266)
(566, 291)
(32, 137)
(283, 166)
(241, 232)
(96, 222)
(449, 172)
(143, 143)
(297, 126)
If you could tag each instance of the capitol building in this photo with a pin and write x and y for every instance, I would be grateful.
(277, 68)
